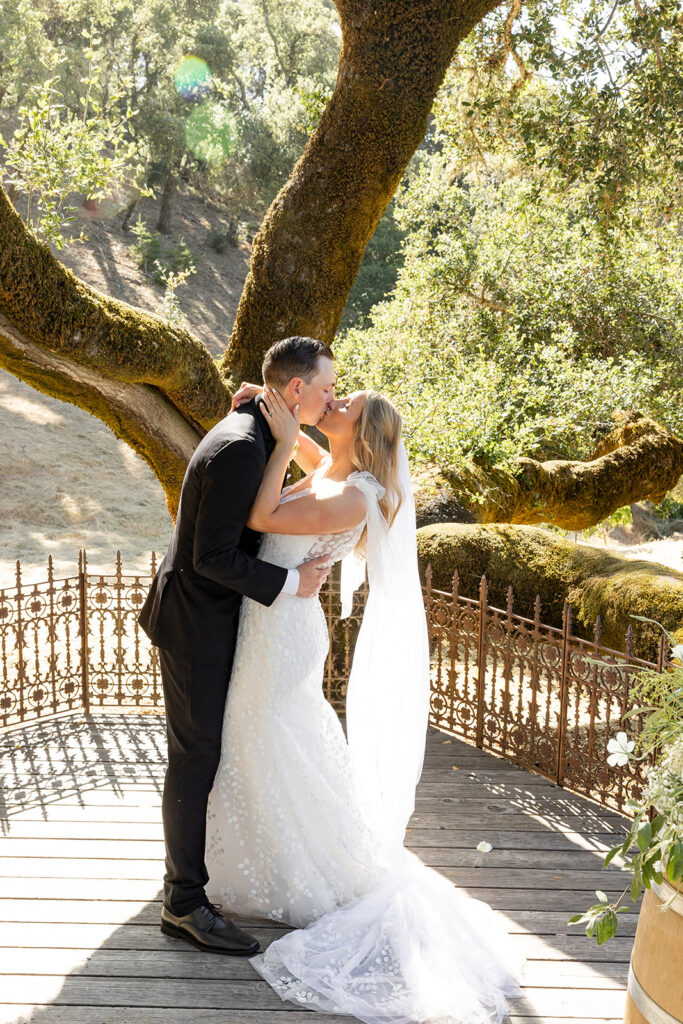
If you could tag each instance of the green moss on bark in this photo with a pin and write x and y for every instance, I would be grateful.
(309, 249)
(640, 460)
(51, 307)
(534, 561)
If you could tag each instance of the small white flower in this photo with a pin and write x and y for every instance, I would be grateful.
(619, 748)
(484, 847)
(677, 652)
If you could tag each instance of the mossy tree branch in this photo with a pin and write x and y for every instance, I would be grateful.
(154, 384)
(310, 246)
(639, 460)
(594, 581)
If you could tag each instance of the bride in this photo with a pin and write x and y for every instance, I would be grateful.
(305, 827)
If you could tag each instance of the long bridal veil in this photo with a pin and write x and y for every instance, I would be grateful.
(412, 948)
(387, 702)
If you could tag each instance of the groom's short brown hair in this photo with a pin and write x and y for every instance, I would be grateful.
(293, 357)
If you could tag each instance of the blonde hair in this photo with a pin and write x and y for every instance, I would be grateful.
(375, 449)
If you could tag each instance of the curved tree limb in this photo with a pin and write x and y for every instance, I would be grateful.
(309, 248)
(47, 304)
(137, 413)
(154, 384)
(637, 461)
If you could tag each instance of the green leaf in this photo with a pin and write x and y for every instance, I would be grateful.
(602, 935)
(657, 823)
(609, 857)
(601, 895)
(636, 888)
(644, 836)
(674, 868)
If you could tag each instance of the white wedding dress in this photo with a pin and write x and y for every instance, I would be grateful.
(292, 835)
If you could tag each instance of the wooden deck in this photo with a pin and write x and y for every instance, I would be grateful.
(81, 861)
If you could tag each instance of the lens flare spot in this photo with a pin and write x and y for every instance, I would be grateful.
(210, 132)
(193, 78)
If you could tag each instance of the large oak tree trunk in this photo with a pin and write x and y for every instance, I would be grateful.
(310, 246)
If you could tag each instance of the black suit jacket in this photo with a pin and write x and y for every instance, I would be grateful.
(192, 608)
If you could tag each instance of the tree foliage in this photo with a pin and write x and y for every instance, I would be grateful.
(589, 92)
(219, 88)
(540, 297)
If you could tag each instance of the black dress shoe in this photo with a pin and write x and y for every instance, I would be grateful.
(207, 929)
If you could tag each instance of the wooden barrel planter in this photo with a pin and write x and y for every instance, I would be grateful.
(655, 977)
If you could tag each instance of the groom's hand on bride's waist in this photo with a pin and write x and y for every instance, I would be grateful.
(312, 575)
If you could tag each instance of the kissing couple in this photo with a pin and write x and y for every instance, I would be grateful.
(268, 807)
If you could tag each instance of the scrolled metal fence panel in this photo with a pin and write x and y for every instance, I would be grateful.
(122, 666)
(40, 648)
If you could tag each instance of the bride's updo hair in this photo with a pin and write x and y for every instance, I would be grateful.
(375, 449)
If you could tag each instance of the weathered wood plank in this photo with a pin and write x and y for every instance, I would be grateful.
(31, 1014)
(45, 831)
(31, 825)
(557, 842)
(114, 866)
(94, 939)
(97, 868)
(573, 808)
(91, 938)
(129, 883)
(197, 995)
(133, 849)
(286, 1013)
(555, 1002)
(214, 994)
(446, 816)
(127, 806)
(183, 963)
(110, 914)
(75, 810)
(102, 909)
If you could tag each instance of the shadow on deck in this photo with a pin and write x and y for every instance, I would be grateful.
(81, 861)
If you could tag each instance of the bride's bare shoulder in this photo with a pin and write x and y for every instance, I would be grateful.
(306, 483)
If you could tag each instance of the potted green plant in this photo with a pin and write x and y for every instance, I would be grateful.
(652, 851)
(656, 842)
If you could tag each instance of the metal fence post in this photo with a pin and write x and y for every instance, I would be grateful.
(428, 604)
(83, 626)
(21, 664)
(481, 661)
(564, 692)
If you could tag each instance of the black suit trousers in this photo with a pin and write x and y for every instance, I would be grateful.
(195, 694)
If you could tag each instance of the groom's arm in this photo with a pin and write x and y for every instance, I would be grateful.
(230, 482)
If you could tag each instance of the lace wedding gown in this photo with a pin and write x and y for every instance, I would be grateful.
(290, 837)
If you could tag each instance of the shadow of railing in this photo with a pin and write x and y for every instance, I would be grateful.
(68, 757)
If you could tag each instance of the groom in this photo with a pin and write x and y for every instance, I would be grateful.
(191, 614)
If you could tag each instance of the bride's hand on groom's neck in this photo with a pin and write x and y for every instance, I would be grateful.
(284, 425)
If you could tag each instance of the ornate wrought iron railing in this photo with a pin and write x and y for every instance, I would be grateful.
(535, 694)
(532, 693)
